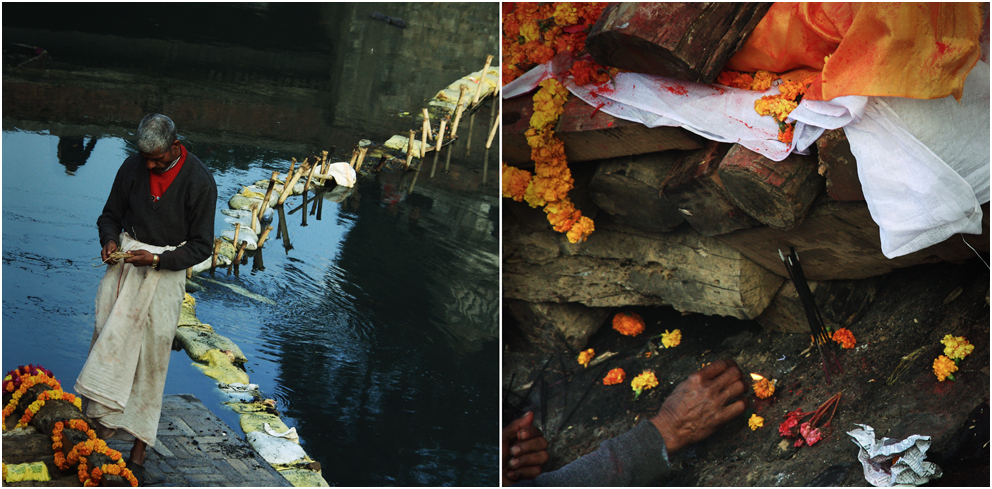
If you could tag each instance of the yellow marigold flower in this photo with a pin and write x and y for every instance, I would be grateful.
(530, 31)
(628, 323)
(515, 182)
(581, 230)
(763, 80)
(755, 422)
(615, 376)
(566, 14)
(944, 367)
(956, 347)
(845, 337)
(670, 340)
(586, 356)
(646, 380)
(764, 389)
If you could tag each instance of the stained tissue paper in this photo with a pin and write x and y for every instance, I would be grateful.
(890, 462)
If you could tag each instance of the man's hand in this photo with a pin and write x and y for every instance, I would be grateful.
(524, 450)
(140, 258)
(701, 404)
(108, 248)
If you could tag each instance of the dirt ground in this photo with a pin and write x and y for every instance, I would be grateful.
(913, 310)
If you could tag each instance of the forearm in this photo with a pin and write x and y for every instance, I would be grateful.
(635, 458)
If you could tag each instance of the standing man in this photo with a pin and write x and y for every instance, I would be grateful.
(161, 213)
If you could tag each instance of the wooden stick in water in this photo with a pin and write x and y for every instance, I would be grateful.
(241, 251)
(468, 142)
(254, 217)
(288, 190)
(440, 134)
(426, 133)
(306, 186)
(361, 158)
(213, 261)
(459, 109)
(268, 194)
(292, 164)
(409, 149)
(492, 132)
(265, 234)
(354, 157)
(434, 166)
(482, 79)
(237, 229)
(323, 162)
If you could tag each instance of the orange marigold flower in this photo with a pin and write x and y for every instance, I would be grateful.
(845, 337)
(944, 368)
(763, 80)
(787, 135)
(673, 339)
(566, 14)
(628, 323)
(764, 388)
(956, 347)
(755, 422)
(515, 182)
(586, 356)
(580, 230)
(774, 106)
(615, 376)
(646, 380)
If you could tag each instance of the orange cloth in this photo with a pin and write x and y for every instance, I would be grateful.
(914, 50)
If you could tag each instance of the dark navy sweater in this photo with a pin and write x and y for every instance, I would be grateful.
(185, 212)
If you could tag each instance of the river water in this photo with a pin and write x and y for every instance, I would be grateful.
(377, 334)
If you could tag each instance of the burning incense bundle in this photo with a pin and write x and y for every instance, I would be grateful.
(816, 327)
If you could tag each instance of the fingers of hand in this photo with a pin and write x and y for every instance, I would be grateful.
(529, 446)
(535, 459)
(524, 473)
(731, 411)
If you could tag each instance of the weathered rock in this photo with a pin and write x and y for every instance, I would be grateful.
(839, 240)
(589, 134)
(695, 189)
(612, 268)
(689, 41)
(840, 302)
(776, 193)
(629, 189)
(547, 325)
(838, 166)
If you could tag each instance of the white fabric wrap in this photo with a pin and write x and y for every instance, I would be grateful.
(137, 312)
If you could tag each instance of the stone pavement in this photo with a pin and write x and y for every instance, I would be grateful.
(195, 448)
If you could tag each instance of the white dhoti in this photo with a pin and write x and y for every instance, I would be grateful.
(137, 312)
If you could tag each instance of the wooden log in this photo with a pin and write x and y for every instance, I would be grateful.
(682, 269)
(628, 188)
(24, 448)
(588, 133)
(689, 41)
(694, 188)
(776, 193)
(839, 240)
(838, 166)
(557, 327)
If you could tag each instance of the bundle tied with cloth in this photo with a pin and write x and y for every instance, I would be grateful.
(908, 83)
(137, 312)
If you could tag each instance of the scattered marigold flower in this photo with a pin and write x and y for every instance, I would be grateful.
(845, 337)
(615, 376)
(755, 422)
(586, 356)
(956, 347)
(944, 367)
(764, 389)
(787, 134)
(671, 340)
(515, 182)
(774, 106)
(646, 380)
(628, 323)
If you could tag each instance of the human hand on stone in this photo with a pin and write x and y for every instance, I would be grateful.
(524, 450)
(708, 399)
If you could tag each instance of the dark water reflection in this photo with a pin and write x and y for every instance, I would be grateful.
(380, 341)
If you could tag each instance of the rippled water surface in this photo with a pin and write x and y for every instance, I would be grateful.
(379, 337)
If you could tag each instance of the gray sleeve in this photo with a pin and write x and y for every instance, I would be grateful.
(635, 458)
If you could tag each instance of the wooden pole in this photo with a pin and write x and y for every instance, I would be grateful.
(268, 194)
(468, 143)
(354, 157)
(434, 166)
(409, 149)
(254, 217)
(361, 158)
(288, 190)
(482, 79)
(492, 132)
(459, 108)
(213, 261)
(426, 133)
(241, 251)
(237, 229)
(440, 134)
(323, 162)
(265, 234)
(447, 158)
(292, 164)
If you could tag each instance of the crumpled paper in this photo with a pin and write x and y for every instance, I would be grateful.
(909, 468)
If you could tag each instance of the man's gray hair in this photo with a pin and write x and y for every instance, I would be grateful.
(156, 132)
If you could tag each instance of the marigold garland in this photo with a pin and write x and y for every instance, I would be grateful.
(27, 382)
(40, 401)
(534, 32)
(628, 323)
(586, 356)
(845, 337)
(615, 376)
